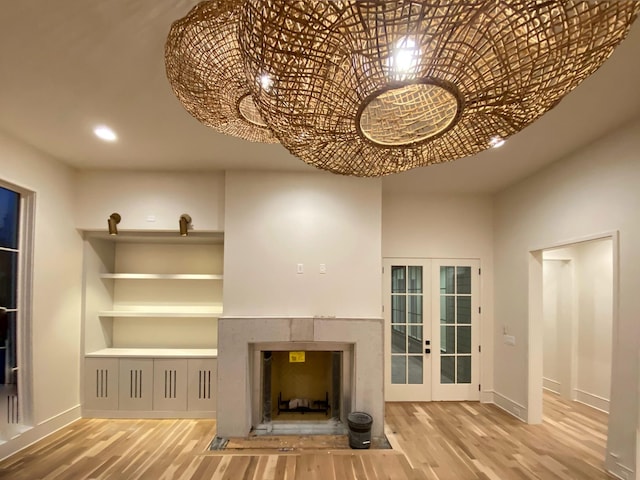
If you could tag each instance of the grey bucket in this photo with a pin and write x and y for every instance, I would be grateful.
(359, 429)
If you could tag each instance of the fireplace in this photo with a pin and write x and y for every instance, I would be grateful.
(301, 385)
(262, 380)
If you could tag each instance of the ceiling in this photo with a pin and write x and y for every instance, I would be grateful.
(68, 65)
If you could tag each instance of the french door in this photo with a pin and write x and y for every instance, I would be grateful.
(431, 329)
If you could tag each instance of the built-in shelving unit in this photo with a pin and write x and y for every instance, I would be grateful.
(160, 314)
(161, 276)
(155, 353)
(151, 307)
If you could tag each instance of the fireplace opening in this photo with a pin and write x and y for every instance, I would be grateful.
(299, 386)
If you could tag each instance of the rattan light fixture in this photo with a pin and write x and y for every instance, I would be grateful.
(369, 88)
(204, 67)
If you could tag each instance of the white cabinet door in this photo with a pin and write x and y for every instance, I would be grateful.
(136, 384)
(202, 383)
(169, 384)
(101, 384)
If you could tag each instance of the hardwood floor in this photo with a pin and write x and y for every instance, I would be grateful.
(440, 441)
(446, 440)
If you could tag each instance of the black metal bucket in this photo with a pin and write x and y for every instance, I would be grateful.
(359, 429)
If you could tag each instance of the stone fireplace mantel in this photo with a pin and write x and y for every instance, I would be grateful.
(240, 337)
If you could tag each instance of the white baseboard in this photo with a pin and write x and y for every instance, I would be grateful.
(514, 408)
(551, 385)
(486, 396)
(594, 401)
(614, 467)
(38, 432)
(132, 414)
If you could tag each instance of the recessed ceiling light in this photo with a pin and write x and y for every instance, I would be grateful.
(496, 142)
(105, 133)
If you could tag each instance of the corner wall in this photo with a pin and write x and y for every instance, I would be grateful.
(56, 289)
(593, 191)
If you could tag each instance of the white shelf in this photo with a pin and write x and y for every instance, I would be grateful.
(161, 276)
(211, 313)
(156, 352)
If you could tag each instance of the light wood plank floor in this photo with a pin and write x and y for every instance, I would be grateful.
(452, 441)
(438, 441)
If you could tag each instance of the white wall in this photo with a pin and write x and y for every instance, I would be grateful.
(57, 269)
(140, 197)
(275, 221)
(593, 191)
(595, 322)
(446, 226)
(558, 335)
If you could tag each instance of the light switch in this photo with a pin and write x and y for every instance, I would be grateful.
(300, 268)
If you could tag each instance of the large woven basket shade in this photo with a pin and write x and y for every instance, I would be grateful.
(204, 67)
(369, 88)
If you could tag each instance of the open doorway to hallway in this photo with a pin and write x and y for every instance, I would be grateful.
(573, 312)
(578, 321)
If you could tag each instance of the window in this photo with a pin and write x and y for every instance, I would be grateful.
(12, 301)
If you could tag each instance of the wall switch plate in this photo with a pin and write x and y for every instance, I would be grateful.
(300, 268)
(323, 268)
(509, 339)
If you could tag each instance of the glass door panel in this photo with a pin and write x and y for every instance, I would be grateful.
(406, 324)
(457, 361)
(408, 371)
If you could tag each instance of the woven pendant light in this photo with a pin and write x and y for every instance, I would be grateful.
(370, 88)
(204, 67)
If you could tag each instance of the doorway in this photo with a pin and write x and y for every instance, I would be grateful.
(536, 319)
(432, 329)
(578, 321)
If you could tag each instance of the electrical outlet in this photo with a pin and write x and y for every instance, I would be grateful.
(323, 268)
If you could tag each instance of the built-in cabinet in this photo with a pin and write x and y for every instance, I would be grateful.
(150, 387)
(151, 307)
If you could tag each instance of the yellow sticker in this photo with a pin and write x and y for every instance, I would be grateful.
(296, 357)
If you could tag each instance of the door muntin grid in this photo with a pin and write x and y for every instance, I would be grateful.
(455, 325)
(407, 324)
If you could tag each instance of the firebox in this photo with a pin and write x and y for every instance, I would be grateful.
(301, 385)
